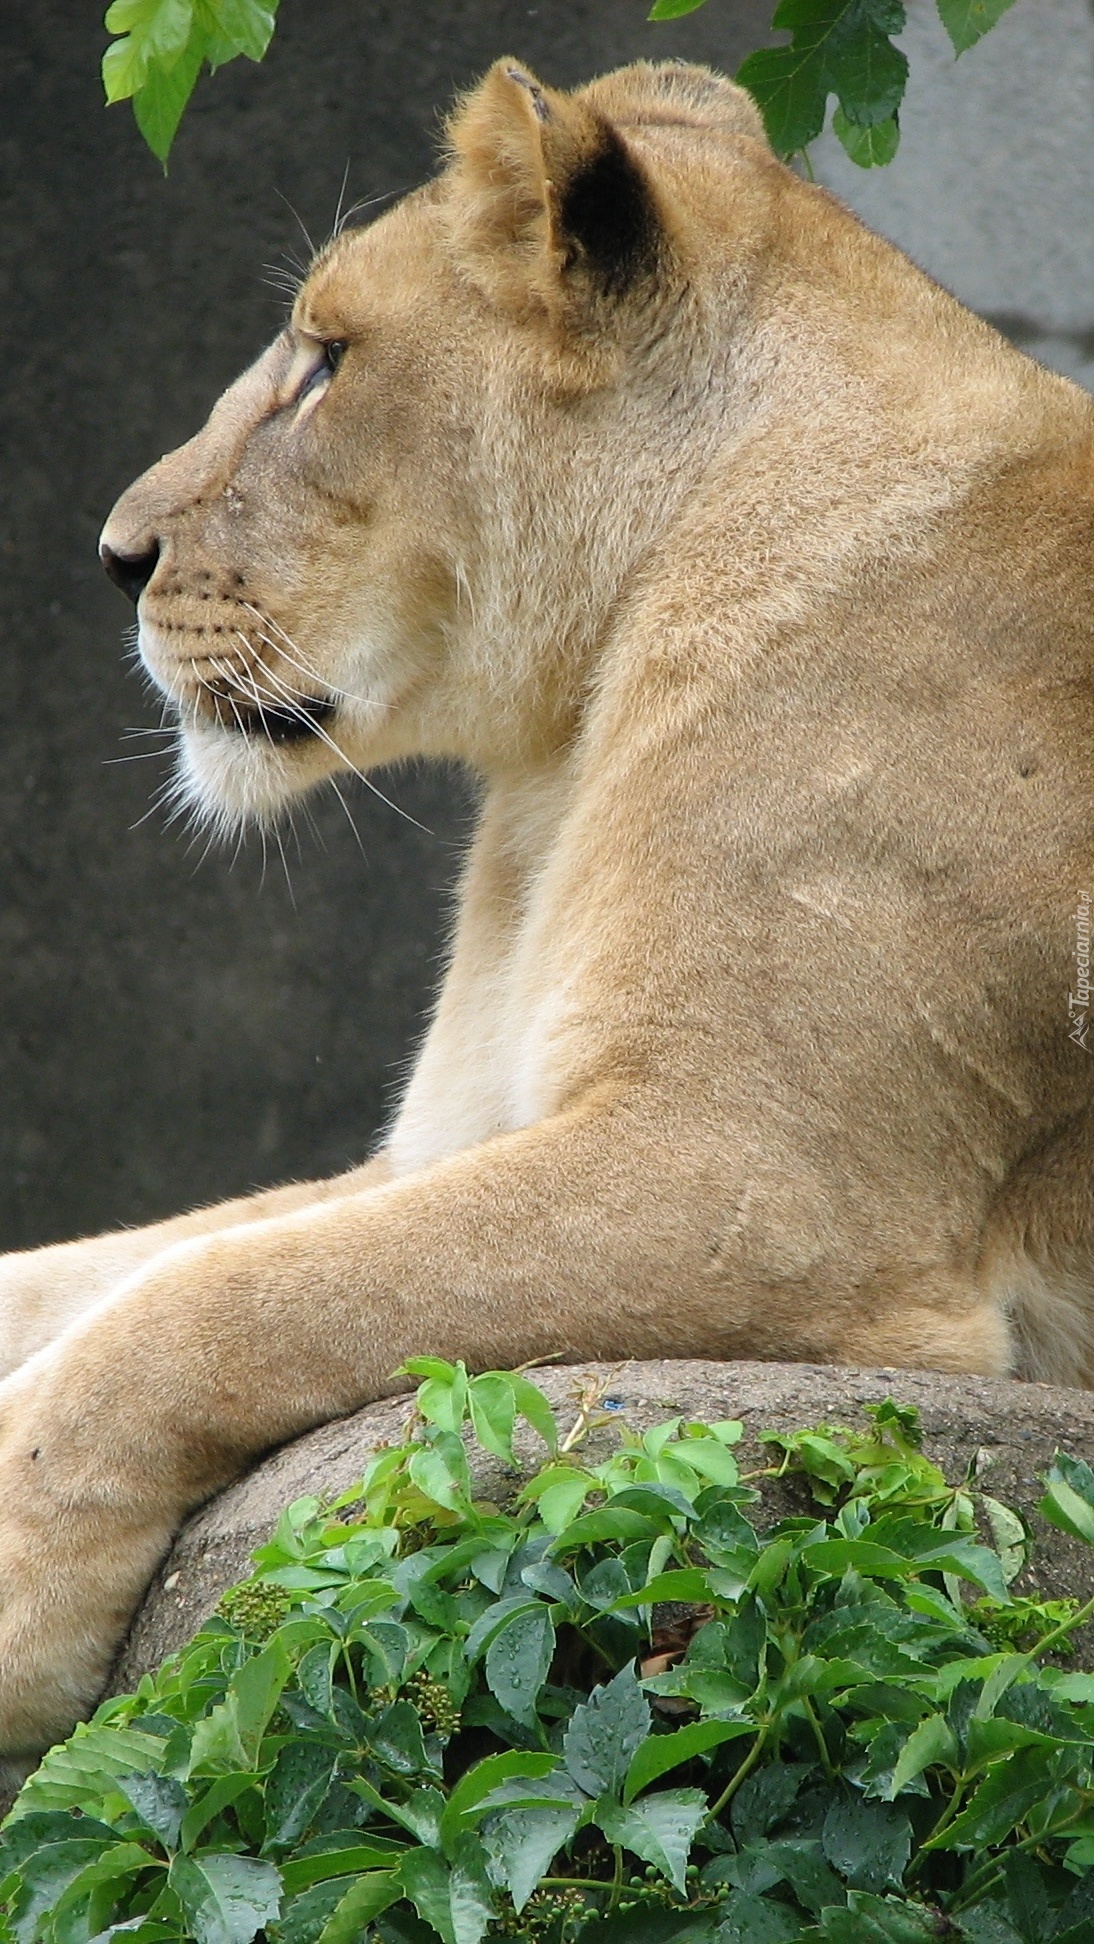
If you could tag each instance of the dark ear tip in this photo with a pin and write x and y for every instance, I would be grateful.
(539, 101)
(607, 209)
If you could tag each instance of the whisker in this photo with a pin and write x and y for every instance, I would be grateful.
(349, 819)
(368, 202)
(301, 665)
(336, 227)
(284, 865)
(139, 756)
(301, 222)
(342, 757)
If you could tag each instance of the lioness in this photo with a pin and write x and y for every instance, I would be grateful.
(755, 577)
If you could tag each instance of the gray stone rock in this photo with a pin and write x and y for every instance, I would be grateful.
(1014, 1427)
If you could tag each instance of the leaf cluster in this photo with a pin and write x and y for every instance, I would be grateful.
(841, 48)
(610, 1711)
(162, 46)
(844, 48)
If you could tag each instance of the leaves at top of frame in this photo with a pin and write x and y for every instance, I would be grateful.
(840, 47)
(966, 20)
(162, 46)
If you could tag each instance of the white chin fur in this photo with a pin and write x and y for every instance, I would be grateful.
(233, 780)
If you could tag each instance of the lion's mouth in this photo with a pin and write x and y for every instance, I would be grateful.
(273, 722)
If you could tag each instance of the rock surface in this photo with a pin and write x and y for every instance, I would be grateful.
(1015, 1427)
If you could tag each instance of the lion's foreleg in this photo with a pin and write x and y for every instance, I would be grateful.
(531, 1244)
(44, 1291)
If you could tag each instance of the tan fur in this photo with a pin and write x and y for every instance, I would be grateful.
(755, 578)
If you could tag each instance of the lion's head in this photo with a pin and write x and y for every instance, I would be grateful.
(404, 529)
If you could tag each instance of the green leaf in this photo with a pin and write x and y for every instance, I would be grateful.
(724, 1533)
(362, 1902)
(420, 1813)
(160, 1802)
(562, 1501)
(673, 9)
(869, 1843)
(387, 1644)
(299, 1784)
(1063, 1507)
(534, 1409)
(660, 1829)
(21, 1836)
(520, 1843)
(304, 1918)
(1009, 1535)
(689, 1584)
(80, 1770)
(159, 103)
(1008, 1792)
(395, 1739)
(226, 1899)
(248, 24)
(321, 1866)
(156, 33)
(868, 73)
(870, 148)
(230, 1735)
(478, 1782)
(518, 1660)
(443, 1400)
(966, 20)
(440, 1471)
(425, 1879)
(659, 1754)
(609, 1524)
(879, 1920)
(791, 91)
(493, 1413)
(604, 1734)
(709, 1457)
(223, 1792)
(838, 47)
(45, 1876)
(99, 1886)
(932, 1742)
(801, 1861)
(470, 1893)
(747, 1919)
(434, 1367)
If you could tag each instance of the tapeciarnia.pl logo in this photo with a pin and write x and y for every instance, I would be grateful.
(1078, 1002)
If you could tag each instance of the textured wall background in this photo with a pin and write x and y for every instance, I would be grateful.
(992, 189)
(173, 1030)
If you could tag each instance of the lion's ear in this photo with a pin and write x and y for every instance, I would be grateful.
(547, 189)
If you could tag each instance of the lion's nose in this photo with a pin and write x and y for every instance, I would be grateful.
(130, 572)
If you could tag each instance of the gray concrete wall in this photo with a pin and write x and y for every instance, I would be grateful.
(992, 189)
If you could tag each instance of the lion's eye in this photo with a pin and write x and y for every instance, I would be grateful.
(332, 354)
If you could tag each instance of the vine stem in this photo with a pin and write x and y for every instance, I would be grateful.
(990, 1871)
(617, 1878)
(818, 1735)
(946, 1818)
(739, 1776)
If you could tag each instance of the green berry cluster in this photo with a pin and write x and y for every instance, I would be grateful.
(548, 1910)
(1018, 1627)
(435, 1706)
(256, 1608)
